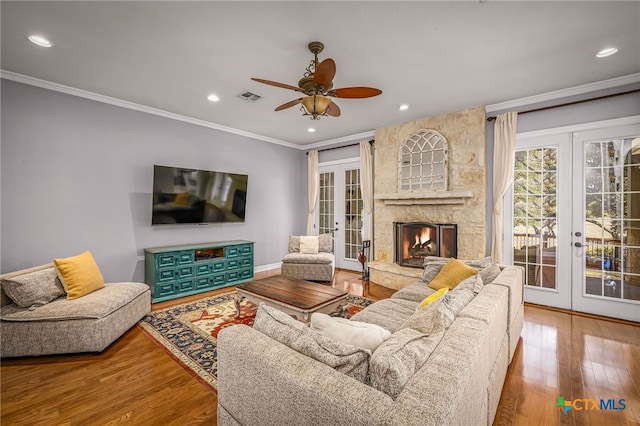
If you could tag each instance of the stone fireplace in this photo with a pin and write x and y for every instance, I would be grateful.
(416, 240)
(462, 201)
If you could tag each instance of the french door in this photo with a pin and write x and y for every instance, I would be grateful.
(575, 221)
(340, 210)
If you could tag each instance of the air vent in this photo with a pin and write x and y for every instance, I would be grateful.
(248, 96)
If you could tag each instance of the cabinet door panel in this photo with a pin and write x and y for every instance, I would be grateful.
(185, 257)
(203, 268)
(184, 285)
(184, 271)
(164, 260)
(164, 275)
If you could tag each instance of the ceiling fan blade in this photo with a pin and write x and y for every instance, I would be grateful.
(275, 83)
(355, 92)
(324, 73)
(333, 110)
(289, 104)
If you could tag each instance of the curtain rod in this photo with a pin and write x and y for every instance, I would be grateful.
(493, 117)
(343, 146)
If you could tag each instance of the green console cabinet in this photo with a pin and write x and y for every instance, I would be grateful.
(177, 271)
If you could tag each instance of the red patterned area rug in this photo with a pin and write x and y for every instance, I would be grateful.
(189, 332)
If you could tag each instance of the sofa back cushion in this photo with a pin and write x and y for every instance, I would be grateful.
(325, 243)
(348, 359)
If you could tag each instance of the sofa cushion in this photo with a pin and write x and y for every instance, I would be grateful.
(79, 275)
(319, 258)
(452, 274)
(416, 292)
(309, 244)
(387, 313)
(396, 360)
(348, 359)
(361, 334)
(97, 304)
(33, 289)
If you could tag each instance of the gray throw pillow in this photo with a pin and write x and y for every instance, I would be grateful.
(490, 273)
(473, 283)
(457, 299)
(430, 271)
(348, 359)
(325, 243)
(398, 359)
(33, 289)
(294, 244)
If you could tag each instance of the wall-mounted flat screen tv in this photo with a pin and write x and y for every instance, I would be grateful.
(197, 196)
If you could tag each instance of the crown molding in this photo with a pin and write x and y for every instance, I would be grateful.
(350, 138)
(20, 78)
(564, 93)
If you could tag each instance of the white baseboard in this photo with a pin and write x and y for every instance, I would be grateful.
(269, 267)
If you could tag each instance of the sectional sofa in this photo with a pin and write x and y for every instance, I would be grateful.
(454, 376)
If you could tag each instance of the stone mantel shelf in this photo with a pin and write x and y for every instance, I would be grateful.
(424, 197)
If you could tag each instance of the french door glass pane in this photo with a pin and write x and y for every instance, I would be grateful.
(353, 214)
(612, 218)
(534, 215)
(326, 200)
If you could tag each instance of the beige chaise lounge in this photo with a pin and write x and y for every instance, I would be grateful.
(88, 324)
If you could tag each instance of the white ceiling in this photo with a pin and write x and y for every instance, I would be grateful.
(438, 57)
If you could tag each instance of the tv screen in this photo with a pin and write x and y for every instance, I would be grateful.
(197, 196)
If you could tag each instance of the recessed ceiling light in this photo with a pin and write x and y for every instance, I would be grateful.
(213, 98)
(403, 107)
(40, 41)
(606, 52)
(311, 130)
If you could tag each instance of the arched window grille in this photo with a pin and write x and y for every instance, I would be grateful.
(422, 162)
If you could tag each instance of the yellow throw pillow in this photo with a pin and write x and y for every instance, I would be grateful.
(79, 275)
(435, 296)
(452, 274)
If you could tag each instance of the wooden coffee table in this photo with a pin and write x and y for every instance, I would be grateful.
(296, 297)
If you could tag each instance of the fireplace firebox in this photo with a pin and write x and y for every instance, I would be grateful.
(416, 240)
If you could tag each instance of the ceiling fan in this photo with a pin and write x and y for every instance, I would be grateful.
(317, 86)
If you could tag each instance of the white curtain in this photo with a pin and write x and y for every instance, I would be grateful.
(504, 148)
(366, 186)
(313, 178)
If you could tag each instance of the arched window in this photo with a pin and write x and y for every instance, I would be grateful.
(422, 162)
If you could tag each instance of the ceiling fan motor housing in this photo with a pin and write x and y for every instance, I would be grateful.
(309, 87)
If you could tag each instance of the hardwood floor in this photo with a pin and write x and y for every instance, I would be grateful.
(135, 382)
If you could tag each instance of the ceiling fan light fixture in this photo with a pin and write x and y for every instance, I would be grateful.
(315, 105)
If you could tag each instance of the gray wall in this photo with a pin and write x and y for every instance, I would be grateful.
(77, 174)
